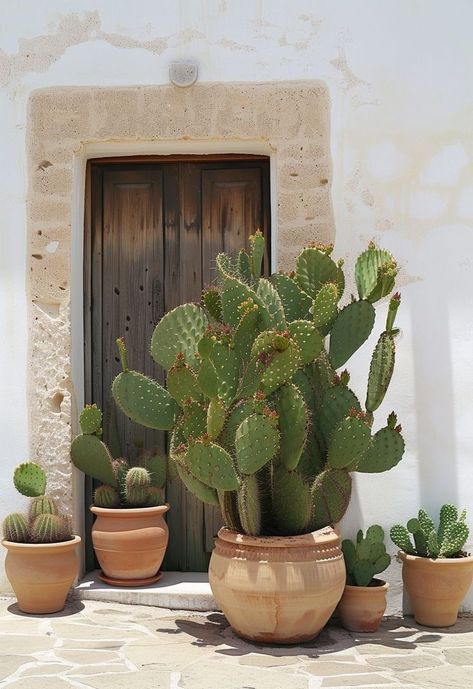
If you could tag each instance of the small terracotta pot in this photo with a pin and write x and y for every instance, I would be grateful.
(130, 543)
(436, 587)
(361, 608)
(277, 589)
(41, 574)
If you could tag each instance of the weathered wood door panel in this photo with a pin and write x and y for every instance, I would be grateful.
(152, 234)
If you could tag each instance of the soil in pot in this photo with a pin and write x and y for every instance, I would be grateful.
(436, 587)
(41, 574)
(277, 589)
(361, 608)
(130, 544)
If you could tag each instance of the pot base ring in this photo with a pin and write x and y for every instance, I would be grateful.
(130, 582)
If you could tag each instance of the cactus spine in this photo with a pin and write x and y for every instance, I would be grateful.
(261, 421)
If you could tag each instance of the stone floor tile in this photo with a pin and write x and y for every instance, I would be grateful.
(144, 679)
(44, 669)
(10, 663)
(95, 644)
(459, 656)
(86, 657)
(18, 643)
(97, 670)
(326, 668)
(440, 678)
(357, 681)
(218, 675)
(403, 663)
(260, 660)
(41, 683)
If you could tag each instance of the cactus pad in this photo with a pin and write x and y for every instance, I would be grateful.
(249, 505)
(256, 253)
(212, 465)
(375, 273)
(296, 303)
(385, 452)
(29, 479)
(178, 332)
(213, 303)
(281, 368)
(272, 302)
(324, 309)
(256, 442)
(330, 494)
(293, 423)
(400, 537)
(144, 401)
(291, 501)
(182, 384)
(200, 490)
(90, 419)
(336, 405)
(215, 418)
(308, 339)
(91, 456)
(349, 442)
(314, 268)
(381, 370)
(350, 329)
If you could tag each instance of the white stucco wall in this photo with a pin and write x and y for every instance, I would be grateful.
(399, 75)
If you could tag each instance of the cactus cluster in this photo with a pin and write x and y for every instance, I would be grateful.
(365, 558)
(122, 485)
(43, 523)
(447, 540)
(263, 423)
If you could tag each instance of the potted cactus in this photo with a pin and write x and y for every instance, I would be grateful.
(264, 426)
(42, 560)
(436, 571)
(129, 535)
(363, 603)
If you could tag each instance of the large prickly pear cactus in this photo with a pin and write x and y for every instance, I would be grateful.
(122, 485)
(262, 424)
(447, 540)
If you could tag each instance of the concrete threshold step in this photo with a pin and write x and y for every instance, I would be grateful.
(175, 590)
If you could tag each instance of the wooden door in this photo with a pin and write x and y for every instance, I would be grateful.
(152, 231)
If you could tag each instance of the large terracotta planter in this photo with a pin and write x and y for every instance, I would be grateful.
(436, 587)
(41, 574)
(361, 608)
(130, 543)
(277, 589)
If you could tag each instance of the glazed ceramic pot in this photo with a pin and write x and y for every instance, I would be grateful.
(41, 574)
(361, 608)
(436, 587)
(130, 543)
(277, 589)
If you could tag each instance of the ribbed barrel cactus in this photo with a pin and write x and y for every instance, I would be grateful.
(44, 523)
(448, 540)
(262, 419)
(123, 486)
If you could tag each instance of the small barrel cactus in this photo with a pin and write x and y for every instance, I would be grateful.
(262, 420)
(15, 528)
(365, 558)
(137, 483)
(44, 523)
(106, 496)
(448, 540)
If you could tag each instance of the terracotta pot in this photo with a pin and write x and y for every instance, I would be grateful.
(277, 589)
(436, 587)
(41, 574)
(361, 608)
(130, 543)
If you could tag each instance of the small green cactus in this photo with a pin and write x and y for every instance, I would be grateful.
(137, 483)
(365, 558)
(44, 523)
(106, 496)
(446, 541)
(262, 424)
(15, 528)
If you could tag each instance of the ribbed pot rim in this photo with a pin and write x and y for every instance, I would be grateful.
(321, 537)
(365, 590)
(37, 548)
(129, 511)
(439, 562)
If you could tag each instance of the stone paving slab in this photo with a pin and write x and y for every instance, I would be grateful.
(97, 645)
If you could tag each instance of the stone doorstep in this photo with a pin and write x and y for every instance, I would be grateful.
(175, 590)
